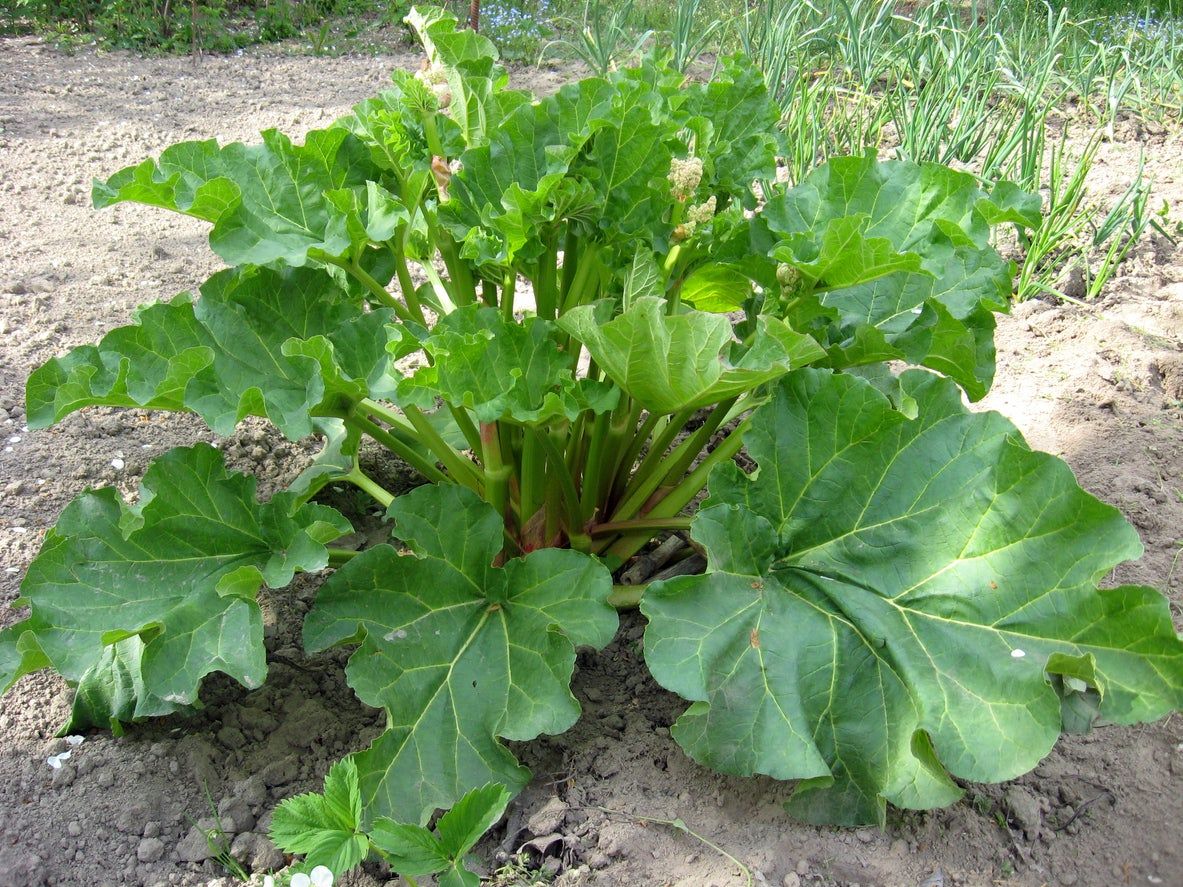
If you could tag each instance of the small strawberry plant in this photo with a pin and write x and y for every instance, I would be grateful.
(569, 315)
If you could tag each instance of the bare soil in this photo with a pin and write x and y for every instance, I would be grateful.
(1102, 387)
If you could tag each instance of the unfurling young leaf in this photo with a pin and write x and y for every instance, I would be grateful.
(671, 362)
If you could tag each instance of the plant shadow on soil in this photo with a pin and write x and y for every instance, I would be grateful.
(1101, 388)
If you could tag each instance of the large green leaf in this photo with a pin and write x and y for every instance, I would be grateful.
(896, 262)
(671, 362)
(887, 597)
(268, 202)
(280, 344)
(147, 364)
(180, 570)
(460, 653)
(503, 370)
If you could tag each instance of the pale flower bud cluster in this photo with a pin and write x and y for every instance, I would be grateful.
(788, 276)
(431, 74)
(698, 214)
(685, 176)
(435, 78)
(701, 213)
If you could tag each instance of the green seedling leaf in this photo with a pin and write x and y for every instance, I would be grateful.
(671, 362)
(459, 652)
(280, 344)
(413, 850)
(180, 570)
(884, 605)
(325, 828)
(270, 202)
(503, 370)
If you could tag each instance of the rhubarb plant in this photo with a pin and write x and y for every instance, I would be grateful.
(568, 315)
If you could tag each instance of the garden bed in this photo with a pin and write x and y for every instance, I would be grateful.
(1102, 387)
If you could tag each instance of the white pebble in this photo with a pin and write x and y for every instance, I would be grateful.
(117, 464)
(16, 438)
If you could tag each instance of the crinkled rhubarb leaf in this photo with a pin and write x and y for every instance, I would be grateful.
(269, 202)
(671, 362)
(887, 598)
(627, 163)
(897, 264)
(508, 192)
(180, 570)
(741, 143)
(280, 344)
(461, 653)
(147, 364)
(503, 370)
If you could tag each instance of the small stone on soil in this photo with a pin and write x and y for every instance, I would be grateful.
(547, 820)
(194, 847)
(150, 850)
(1024, 810)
